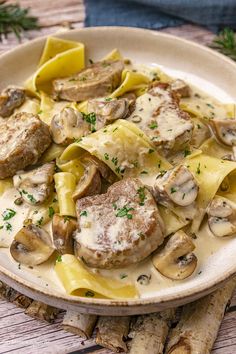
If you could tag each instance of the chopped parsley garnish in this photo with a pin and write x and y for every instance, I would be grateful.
(173, 190)
(187, 152)
(84, 213)
(183, 196)
(209, 105)
(144, 172)
(106, 156)
(30, 197)
(72, 79)
(8, 226)
(89, 293)
(51, 212)
(39, 222)
(59, 259)
(198, 171)
(1, 227)
(91, 119)
(40, 112)
(66, 218)
(199, 126)
(153, 125)
(124, 212)
(107, 99)
(114, 205)
(150, 151)
(114, 129)
(141, 194)
(8, 214)
(77, 140)
(123, 276)
(115, 160)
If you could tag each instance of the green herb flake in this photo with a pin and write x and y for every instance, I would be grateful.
(153, 125)
(8, 226)
(115, 160)
(40, 221)
(91, 119)
(114, 206)
(198, 171)
(51, 211)
(187, 152)
(199, 126)
(150, 151)
(59, 259)
(89, 293)
(108, 99)
(125, 212)
(141, 194)
(40, 112)
(8, 214)
(144, 172)
(84, 213)
(173, 190)
(106, 156)
(123, 276)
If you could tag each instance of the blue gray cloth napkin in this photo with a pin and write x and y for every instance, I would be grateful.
(156, 14)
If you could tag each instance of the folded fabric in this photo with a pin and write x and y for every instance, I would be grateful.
(156, 14)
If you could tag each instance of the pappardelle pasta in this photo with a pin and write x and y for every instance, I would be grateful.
(114, 173)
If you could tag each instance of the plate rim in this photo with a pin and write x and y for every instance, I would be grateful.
(139, 305)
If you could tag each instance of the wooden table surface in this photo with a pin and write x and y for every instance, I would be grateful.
(21, 334)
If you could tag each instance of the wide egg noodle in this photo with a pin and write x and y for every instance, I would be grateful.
(67, 60)
(77, 280)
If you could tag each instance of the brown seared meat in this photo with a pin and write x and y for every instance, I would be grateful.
(98, 80)
(11, 98)
(118, 228)
(158, 114)
(180, 87)
(23, 139)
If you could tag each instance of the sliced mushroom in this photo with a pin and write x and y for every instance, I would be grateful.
(181, 88)
(201, 133)
(232, 156)
(10, 99)
(62, 232)
(177, 186)
(176, 260)
(224, 130)
(108, 110)
(89, 184)
(36, 185)
(222, 217)
(104, 170)
(68, 125)
(32, 245)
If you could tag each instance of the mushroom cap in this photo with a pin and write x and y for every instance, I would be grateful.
(176, 260)
(35, 185)
(222, 217)
(177, 186)
(89, 184)
(62, 231)
(32, 245)
(224, 130)
(68, 125)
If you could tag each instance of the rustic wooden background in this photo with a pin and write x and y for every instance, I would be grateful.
(21, 334)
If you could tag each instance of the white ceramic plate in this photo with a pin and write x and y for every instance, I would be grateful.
(201, 66)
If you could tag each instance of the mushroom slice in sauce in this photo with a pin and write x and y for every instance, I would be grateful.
(107, 110)
(32, 245)
(89, 184)
(224, 130)
(176, 260)
(177, 185)
(35, 186)
(222, 217)
(68, 125)
(104, 170)
(10, 99)
(97, 80)
(180, 87)
(62, 233)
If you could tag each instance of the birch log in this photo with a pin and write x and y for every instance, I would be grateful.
(79, 324)
(111, 332)
(149, 333)
(199, 323)
(41, 311)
